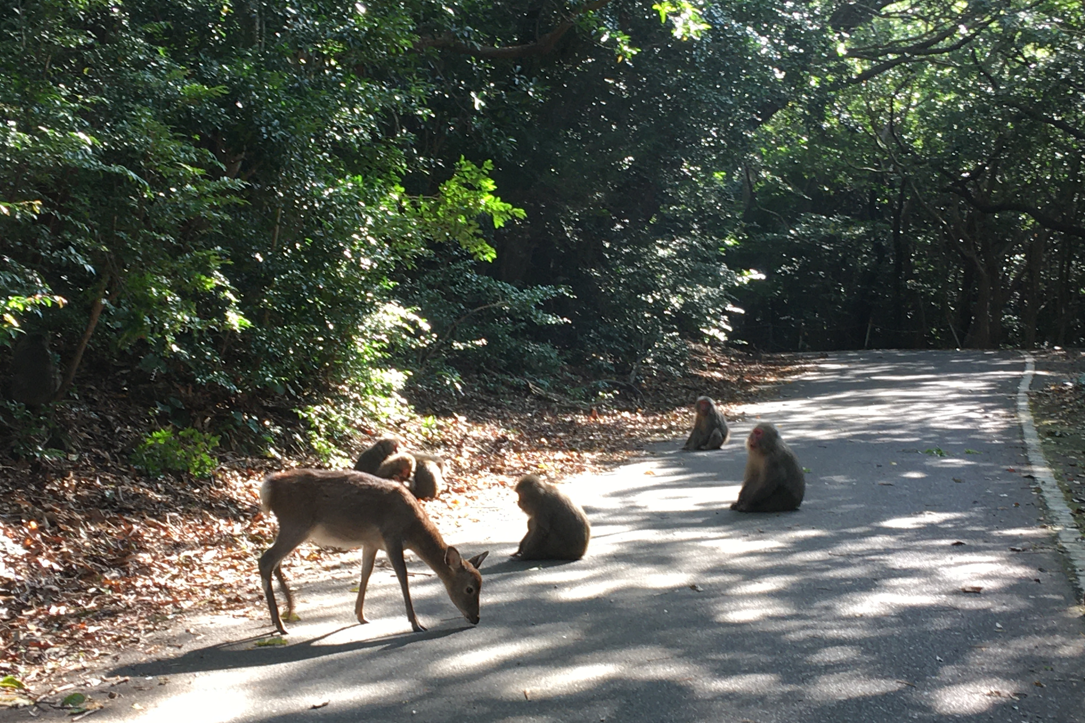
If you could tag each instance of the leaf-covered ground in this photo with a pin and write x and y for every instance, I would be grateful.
(1058, 409)
(94, 556)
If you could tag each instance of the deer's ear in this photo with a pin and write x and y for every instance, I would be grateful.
(452, 557)
(477, 559)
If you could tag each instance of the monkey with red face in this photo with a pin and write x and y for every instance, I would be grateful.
(773, 481)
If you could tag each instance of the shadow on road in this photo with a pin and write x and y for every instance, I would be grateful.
(915, 583)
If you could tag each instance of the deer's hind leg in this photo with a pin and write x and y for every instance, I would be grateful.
(369, 555)
(284, 544)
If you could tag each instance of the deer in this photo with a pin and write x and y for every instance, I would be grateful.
(348, 509)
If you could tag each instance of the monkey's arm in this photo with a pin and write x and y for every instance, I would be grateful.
(756, 484)
(538, 528)
(696, 439)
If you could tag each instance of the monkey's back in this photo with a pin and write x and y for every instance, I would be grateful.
(784, 471)
(567, 533)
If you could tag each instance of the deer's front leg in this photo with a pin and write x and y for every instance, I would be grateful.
(395, 556)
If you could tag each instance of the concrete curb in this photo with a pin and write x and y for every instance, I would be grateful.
(1059, 516)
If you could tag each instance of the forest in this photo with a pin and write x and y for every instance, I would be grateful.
(317, 204)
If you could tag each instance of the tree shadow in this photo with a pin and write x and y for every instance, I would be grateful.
(910, 585)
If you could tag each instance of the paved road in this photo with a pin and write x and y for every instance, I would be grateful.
(850, 609)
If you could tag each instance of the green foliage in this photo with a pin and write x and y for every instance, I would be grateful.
(29, 433)
(10, 681)
(687, 18)
(273, 200)
(478, 322)
(13, 307)
(190, 450)
(363, 390)
(453, 215)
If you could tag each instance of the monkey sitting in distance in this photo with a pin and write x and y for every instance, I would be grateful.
(773, 481)
(557, 529)
(709, 427)
(370, 460)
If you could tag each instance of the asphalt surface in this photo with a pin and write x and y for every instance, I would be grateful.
(917, 582)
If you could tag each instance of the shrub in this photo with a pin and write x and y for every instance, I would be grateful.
(187, 451)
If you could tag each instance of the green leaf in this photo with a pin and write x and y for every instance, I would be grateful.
(75, 700)
(10, 681)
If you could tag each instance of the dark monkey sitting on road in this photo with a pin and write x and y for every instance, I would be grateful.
(557, 529)
(709, 427)
(773, 481)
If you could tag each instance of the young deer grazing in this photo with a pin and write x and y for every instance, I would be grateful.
(348, 509)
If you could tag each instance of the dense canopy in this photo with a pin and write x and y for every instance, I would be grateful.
(313, 202)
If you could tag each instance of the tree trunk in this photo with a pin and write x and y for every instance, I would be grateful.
(1032, 296)
(979, 333)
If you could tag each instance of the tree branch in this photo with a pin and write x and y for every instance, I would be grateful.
(912, 53)
(1054, 122)
(77, 357)
(1040, 217)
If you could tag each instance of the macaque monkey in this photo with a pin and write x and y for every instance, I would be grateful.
(557, 529)
(399, 467)
(773, 481)
(709, 428)
(429, 473)
(34, 376)
(370, 460)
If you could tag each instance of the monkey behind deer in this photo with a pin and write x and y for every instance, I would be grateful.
(709, 427)
(557, 529)
(773, 481)
(399, 467)
(428, 476)
(371, 459)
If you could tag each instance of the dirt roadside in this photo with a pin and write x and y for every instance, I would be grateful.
(1057, 401)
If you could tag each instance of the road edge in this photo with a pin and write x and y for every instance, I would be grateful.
(1060, 518)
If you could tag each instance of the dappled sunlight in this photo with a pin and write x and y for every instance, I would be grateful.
(749, 684)
(987, 572)
(732, 546)
(887, 603)
(546, 683)
(590, 590)
(979, 695)
(850, 684)
(493, 654)
(908, 585)
(926, 519)
(1023, 532)
(758, 587)
(846, 654)
(197, 705)
(742, 612)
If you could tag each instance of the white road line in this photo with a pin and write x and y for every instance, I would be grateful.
(1060, 518)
